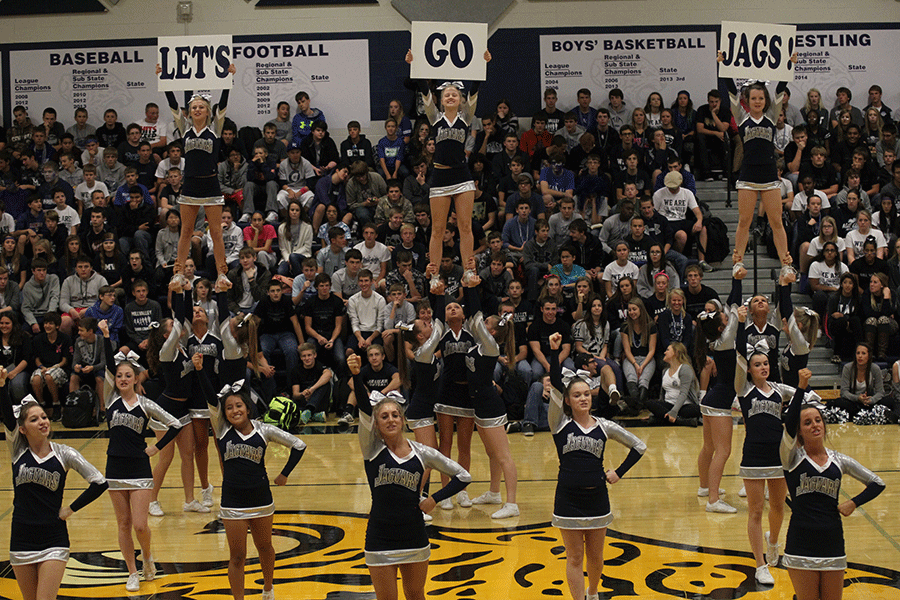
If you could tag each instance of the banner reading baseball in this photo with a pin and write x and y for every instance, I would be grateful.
(197, 62)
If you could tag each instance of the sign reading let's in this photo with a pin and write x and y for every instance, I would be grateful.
(194, 62)
(448, 50)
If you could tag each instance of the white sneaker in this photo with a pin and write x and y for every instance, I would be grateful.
(704, 492)
(763, 576)
(509, 510)
(614, 395)
(156, 510)
(269, 594)
(720, 506)
(435, 281)
(272, 217)
(206, 494)
(468, 274)
(194, 506)
(488, 498)
(446, 504)
(134, 583)
(462, 499)
(743, 492)
(427, 518)
(771, 552)
(223, 279)
(593, 596)
(149, 570)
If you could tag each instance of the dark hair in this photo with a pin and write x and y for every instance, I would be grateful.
(53, 317)
(352, 253)
(707, 331)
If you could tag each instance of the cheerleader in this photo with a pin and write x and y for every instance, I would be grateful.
(490, 411)
(246, 496)
(395, 535)
(761, 402)
(581, 508)
(166, 354)
(39, 539)
(201, 183)
(814, 550)
(760, 330)
(802, 328)
(758, 173)
(128, 469)
(451, 180)
(209, 345)
(716, 331)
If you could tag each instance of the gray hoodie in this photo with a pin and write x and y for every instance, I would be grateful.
(39, 299)
(79, 293)
(231, 178)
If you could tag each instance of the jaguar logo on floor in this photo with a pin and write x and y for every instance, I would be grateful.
(320, 556)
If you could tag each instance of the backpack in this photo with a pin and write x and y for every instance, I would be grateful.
(717, 244)
(282, 413)
(78, 409)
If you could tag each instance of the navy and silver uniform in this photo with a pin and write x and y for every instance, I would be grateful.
(451, 174)
(453, 393)
(245, 482)
(752, 339)
(795, 355)
(127, 464)
(758, 171)
(210, 346)
(396, 532)
(177, 368)
(815, 537)
(582, 500)
(37, 534)
(426, 373)
(718, 400)
(481, 361)
(201, 184)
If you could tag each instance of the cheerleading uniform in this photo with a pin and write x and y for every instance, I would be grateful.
(718, 400)
(453, 390)
(396, 533)
(481, 360)
(177, 369)
(451, 174)
(427, 373)
(210, 346)
(795, 355)
(753, 340)
(37, 534)
(758, 171)
(582, 500)
(245, 482)
(201, 154)
(127, 463)
(815, 537)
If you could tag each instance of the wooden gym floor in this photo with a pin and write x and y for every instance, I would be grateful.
(662, 543)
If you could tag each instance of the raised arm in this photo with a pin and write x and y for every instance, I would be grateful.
(370, 442)
(556, 417)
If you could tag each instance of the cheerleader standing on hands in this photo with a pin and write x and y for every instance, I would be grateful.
(128, 469)
(395, 535)
(39, 539)
(581, 508)
(802, 328)
(451, 180)
(814, 551)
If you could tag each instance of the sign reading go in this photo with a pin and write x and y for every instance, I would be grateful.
(448, 50)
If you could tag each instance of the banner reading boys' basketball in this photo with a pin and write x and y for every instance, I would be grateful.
(448, 50)
(194, 62)
(757, 51)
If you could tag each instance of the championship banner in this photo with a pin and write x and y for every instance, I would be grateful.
(194, 62)
(448, 50)
(636, 63)
(335, 74)
(97, 78)
(757, 51)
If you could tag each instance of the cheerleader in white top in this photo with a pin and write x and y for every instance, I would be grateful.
(814, 550)
(39, 539)
(246, 495)
(128, 471)
(395, 535)
(758, 175)
(451, 181)
(201, 183)
(581, 508)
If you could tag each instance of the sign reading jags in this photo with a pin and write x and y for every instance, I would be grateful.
(757, 51)
(448, 50)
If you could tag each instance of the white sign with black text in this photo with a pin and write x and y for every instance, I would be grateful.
(757, 51)
(448, 50)
(194, 62)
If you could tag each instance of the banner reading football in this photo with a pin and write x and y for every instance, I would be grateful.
(637, 64)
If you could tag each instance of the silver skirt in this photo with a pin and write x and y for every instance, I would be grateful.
(18, 558)
(757, 187)
(708, 411)
(500, 421)
(421, 423)
(452, 190)
(582, 523)
(199, 413)
(240, 514)
(130, 484)
(157, 426)
(385, 558)
(762, 472)
(454, 411)
(809, 563)
(210, 201)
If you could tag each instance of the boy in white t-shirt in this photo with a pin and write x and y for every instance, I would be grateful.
(801, 200)
(7, 223)
(375, 255)
(174, 158)
(68, 216)
(85, 190)
(673, 202)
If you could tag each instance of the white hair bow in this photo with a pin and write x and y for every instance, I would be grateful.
(376, 397)
(809, 312)
(154, 324)
(504, 319)
(760, 346)
(568, 376)
(206, 97)
(17, 408)
(706, 314)
(234, 388)
(457, 84)
(131, 357)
